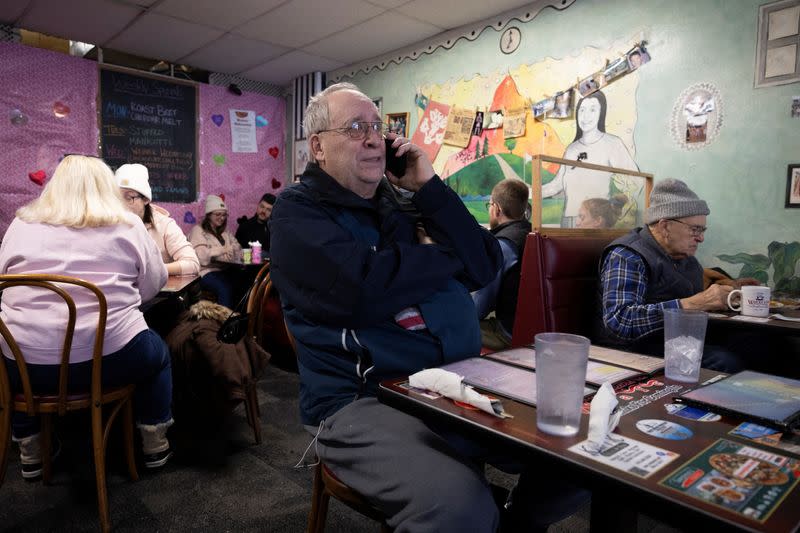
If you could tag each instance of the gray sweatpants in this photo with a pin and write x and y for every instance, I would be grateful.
(409, 472)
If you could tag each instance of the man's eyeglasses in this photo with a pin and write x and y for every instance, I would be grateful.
(489, 204)
(130, 198)
(359, 131)
(696, 231)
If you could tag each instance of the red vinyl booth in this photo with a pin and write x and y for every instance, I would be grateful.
(558, 282)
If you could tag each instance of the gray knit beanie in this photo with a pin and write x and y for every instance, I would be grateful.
(672, 198)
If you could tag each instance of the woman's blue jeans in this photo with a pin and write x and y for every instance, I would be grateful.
(145, 361)
(226, 284)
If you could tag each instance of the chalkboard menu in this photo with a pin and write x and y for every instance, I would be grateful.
(153, 122)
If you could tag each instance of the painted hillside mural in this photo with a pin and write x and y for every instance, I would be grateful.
(600, 132)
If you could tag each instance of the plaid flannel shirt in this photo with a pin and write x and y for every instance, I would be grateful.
(623, 278)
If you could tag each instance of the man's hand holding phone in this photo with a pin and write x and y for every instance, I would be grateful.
(418, 168)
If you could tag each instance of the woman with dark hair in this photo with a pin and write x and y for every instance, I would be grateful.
(600, 213)
(176, 252)
(213, 242)
(592, 145)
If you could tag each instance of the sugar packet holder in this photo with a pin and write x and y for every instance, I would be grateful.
(451, 385)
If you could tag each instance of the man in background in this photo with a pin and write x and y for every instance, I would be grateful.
(256, 228)
(653, 268)
(508, 208)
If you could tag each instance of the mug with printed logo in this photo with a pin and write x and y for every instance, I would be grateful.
(754, 300)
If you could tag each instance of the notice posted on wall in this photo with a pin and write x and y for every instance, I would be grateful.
(626, 454)
(243, 131)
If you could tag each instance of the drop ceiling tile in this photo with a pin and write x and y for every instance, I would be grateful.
(388, 3)
(300, 22)
(282, 70)
(163, 37)
(89, 21)
(449, 14)
(377, 36)
(216, 13)
(136, 3)
(10, 10)
(231, 54)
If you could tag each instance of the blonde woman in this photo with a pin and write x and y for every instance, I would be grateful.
(176, 252)
(213, 242)
(79, 227)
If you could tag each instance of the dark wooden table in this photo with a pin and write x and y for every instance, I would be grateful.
(176, 296)
(773, 325)
(616, 495)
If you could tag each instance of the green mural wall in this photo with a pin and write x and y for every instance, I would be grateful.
(742, 174)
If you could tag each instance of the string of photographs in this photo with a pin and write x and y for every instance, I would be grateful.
(462, 123)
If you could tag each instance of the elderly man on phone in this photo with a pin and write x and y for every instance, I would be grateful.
(373, 288)
(653, 268)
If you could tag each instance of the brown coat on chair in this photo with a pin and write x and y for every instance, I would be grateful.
(210, 377)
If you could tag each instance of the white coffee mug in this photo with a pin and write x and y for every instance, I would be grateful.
(754, 300)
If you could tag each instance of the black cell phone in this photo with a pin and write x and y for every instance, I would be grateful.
(395, 165)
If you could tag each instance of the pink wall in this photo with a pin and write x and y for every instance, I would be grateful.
(42, 85)
(37, 84)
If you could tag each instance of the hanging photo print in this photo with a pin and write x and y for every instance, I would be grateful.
(514, 122)
(637, 57)
(542, 106)
(615, 69)
(477, 126)
(494, 120)
(563, 105)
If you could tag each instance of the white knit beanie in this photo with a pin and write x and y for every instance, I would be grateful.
(134, 176)
(672, 198)
(214, 203)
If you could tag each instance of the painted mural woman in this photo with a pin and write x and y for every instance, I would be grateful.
(592, 145)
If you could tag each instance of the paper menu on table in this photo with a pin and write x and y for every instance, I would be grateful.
(635, 361)
(596, 373)
(506, 380)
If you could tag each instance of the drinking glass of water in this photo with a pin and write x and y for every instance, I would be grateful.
(561, 360)
(684, 337)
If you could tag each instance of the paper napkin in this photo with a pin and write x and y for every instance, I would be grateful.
(450, 384)
(603, 418)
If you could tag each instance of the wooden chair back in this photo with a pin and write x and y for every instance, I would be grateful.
(119, 399)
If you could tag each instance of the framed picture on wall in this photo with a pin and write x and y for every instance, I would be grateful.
(398, 123)
(793, 186)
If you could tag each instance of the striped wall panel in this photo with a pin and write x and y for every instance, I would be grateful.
(304, 88)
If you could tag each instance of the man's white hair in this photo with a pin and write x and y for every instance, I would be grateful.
(317, 117)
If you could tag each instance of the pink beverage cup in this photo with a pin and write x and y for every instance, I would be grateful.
(256, 252)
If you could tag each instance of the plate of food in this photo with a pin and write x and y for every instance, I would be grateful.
(775, 304)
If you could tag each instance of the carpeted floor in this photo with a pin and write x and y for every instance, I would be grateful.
(228, 484)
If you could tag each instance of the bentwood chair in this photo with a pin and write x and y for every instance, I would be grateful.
(99, 400)
(251, 408)
(326, 484)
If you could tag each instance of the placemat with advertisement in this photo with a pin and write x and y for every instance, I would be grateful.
(749, 481)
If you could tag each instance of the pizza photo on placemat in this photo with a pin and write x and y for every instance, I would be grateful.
(748, 468)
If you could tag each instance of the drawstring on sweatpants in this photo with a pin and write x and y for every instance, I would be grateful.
(302, 462)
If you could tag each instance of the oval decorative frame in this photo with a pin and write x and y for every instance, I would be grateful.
(703, 92)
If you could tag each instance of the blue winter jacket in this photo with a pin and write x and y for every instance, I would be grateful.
(345, 265)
